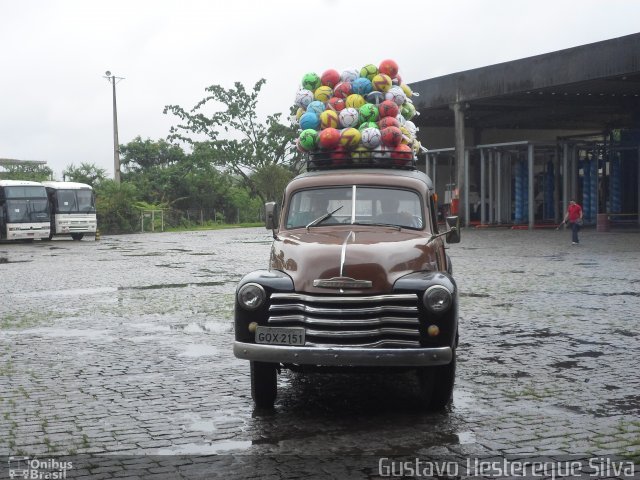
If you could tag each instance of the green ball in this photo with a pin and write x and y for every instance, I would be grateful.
(407, 110)
(368, 125)
(368, 113)
(369, 71)
(310, 81)
(309, 139)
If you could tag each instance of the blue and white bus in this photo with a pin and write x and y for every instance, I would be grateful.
(24, 210)
(73, 209)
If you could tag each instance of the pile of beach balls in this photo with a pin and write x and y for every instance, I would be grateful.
(357, 113)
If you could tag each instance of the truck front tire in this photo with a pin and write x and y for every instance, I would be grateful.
(436, 384)
(264, 384)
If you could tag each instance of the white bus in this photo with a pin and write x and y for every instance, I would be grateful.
(73, 209)
(24, 210)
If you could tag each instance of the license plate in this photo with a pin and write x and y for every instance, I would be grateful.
(280, 335)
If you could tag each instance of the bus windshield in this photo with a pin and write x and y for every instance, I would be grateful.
(74, 201)
(27, 210)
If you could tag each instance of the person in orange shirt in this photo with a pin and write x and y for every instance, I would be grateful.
(574, 218)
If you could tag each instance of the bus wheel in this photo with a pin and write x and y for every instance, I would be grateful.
(77, 236)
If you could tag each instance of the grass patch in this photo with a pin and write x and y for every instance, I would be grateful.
(213, 226)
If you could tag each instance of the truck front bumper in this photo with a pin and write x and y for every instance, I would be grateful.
(344, 356)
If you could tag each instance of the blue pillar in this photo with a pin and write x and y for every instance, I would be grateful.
(586, 191)
(524, 170)
(549, 188)
(593, 209)
(615, 181)
(519, 193)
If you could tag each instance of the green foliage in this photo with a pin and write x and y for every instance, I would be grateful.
(34, 173)
(236, 140)
(140, 155)
(115, 207)
(88, 173)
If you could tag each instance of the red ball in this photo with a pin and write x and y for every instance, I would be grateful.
(388, 67)
(388, 108)
(339, 154)
(388, 122)
(342, 90)
(336, 104)
(329, 138)
(391, 136)
(330, 78)
(402, 154)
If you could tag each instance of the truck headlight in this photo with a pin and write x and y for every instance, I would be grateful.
(437, 299)
(251, 296)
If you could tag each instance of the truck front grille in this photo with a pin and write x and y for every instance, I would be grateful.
(377, 321)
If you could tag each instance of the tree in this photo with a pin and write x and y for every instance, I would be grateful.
(138, 155)
(115, 207)
(34, 173)
(88, 173)
(235, 138)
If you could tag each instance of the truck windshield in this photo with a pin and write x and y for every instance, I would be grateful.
(373, 206)
(27, 210)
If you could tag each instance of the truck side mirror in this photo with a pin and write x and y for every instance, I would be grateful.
(453, 235)
(270, 216)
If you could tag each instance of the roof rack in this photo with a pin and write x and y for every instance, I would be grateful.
(337, 159)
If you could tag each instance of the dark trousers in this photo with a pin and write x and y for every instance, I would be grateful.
(575, 228)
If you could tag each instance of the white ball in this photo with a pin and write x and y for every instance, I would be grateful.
(411, 127)
(396, 95)
(349, 117)
(371, 137)
(349, 75)
(304, 98)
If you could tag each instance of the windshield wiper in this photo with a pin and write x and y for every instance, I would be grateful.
(376, 224)
(322, 218)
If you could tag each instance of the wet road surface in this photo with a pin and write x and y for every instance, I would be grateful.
(123, 347)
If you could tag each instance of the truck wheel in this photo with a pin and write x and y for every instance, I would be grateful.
(436, 384)
(264, 384)
(77, 236)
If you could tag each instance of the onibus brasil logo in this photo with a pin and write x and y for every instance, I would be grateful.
(38, 469)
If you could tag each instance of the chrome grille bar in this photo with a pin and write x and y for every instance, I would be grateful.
(341, 322)
(372, 321)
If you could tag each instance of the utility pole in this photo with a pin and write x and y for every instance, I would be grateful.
(116, 146)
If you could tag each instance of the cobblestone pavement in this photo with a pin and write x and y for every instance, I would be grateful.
(123, 347)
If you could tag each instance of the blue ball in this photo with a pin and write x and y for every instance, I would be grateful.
(362, 86)
(309, 120)
(316, 106)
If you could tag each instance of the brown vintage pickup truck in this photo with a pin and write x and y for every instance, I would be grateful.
(358, 279)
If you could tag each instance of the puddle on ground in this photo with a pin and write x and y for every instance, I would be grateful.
(173, 285)
(70, 292)
(196, 350)
(466, 438)
(6, 260)
(206, 448)
(68, 333)
(463, 400)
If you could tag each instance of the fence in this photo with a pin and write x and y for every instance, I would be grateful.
(156, 220)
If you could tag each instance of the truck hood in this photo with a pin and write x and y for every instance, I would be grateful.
(380, 256)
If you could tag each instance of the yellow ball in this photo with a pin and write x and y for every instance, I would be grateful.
(355, 101)
(328, 119)
(407, 138)
(381, 82)
(360, 153)
(407, 91)
(301, 111)
(323, 93)
(350, 138)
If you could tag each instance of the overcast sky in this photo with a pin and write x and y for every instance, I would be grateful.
(56, 106)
